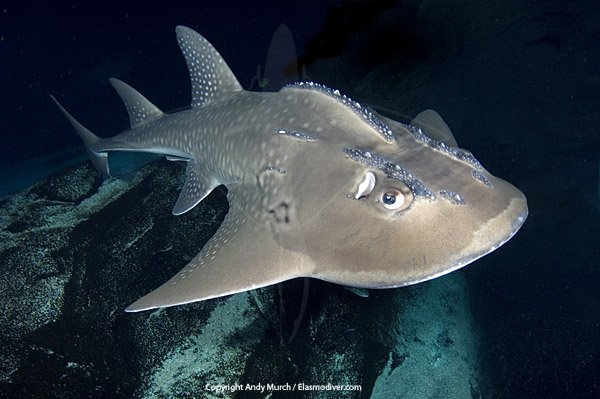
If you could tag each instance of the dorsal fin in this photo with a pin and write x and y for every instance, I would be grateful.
(432, 124)
(212, 80)
(140, 110)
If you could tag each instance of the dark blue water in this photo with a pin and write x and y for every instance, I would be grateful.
(519, 84)
(71, 50)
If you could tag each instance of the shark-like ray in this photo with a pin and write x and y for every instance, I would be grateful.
(318, 186)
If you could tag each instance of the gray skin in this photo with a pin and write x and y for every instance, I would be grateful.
(293, 162)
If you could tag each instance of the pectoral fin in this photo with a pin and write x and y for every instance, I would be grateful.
(241, 256)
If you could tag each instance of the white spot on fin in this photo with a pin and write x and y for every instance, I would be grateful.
(211, 77)
(140, 110)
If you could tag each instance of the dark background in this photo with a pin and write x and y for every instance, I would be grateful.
(70, 49)
(536, 299)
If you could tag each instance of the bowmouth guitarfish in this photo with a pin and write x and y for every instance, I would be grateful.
(318, 186)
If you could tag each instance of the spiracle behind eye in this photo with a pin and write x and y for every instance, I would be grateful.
(366, 186)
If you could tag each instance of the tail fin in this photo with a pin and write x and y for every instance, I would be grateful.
(99, 159)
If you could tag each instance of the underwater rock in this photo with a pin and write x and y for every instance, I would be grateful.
(213, 353)
(75, 251)
(435, 353)
(35, 228)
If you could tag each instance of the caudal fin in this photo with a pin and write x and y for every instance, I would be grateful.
(99, 159)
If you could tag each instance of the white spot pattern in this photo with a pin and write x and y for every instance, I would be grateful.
(210, 75)
(140, 110)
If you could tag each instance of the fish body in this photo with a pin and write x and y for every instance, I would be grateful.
(318, 186)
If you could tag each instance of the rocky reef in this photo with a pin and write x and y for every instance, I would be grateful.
(75, 251)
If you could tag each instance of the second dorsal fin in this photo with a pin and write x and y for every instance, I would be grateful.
(140, 110)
